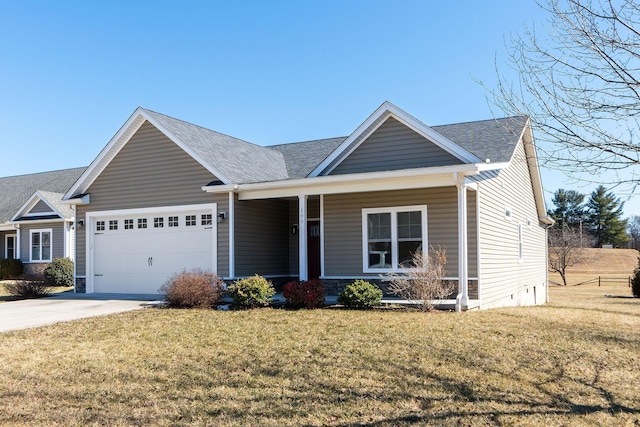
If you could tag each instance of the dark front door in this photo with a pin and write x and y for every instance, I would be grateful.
(313, 249)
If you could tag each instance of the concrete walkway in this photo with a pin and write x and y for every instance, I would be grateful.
(64, 307)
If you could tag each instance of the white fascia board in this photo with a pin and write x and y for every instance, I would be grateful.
(403, 117)
(221, 188)
(362, 182)
(8, 227)
(84, 200)
(345, 144)
(113, 147)
(39, 221)
(534, 171)
(33, 200)
(119, 140)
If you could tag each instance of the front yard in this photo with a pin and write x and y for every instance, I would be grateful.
(572, 362)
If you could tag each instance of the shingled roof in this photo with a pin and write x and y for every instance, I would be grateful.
(493, 139)
(15, 191)
(238, 161)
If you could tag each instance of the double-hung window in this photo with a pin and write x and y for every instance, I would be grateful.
(391, 236)
(41, 245)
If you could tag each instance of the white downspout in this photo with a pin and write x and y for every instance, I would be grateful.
(75, 245)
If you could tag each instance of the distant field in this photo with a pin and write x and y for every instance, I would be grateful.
(607, 263)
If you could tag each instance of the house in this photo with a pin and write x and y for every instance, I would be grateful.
(35, 226)
(165, 195)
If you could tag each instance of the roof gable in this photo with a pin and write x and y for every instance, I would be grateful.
(15, 191)
(43, 205)
(230, 159)
(373, 122)
(394, 146)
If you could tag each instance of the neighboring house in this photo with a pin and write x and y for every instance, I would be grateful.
(35, 226)
(166, 195)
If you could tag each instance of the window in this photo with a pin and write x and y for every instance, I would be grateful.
(520, 242)
(391, 236)
(158, 222)
(113, 224)
(99, 225)
(190, 220)
(173, 221)
(128, 224)
(41, 245)
(10, 246)
(508, 213)
(142, 222)
(206, 219)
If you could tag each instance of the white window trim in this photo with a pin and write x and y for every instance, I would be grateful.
(6, 245)
(394, 235)
(40, 231)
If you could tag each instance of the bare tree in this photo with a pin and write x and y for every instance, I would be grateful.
(423, 280)
(579, 82)
(633, 227)
(564, 250)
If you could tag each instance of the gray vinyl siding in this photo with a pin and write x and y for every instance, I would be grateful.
(57, 237)
(503, 277)
(343, 226)
(40, 207)
(152, 171)
(262, 237)
(394, 146)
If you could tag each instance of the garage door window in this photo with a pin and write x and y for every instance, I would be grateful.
(173, 221)
(158, 222)
(41, 245)
(113, 224)
(142, 222)
(190, 220)
(128, 224)
(99, 225)
(206, 219)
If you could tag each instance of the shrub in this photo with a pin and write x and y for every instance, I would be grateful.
(360, 294)
(307, 294)
(251, 292)
(59, 272)
(423, 281)
(28, 288)
(10, 268)
(635, 281)
(193, 289)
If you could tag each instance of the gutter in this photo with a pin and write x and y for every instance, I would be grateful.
(304, 184)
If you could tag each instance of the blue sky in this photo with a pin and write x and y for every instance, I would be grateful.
(71, 72)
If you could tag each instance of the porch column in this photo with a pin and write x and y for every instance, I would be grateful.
(232, 241)
(462, 300)
(302, 237)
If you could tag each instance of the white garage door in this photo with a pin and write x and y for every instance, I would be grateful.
(137, 253)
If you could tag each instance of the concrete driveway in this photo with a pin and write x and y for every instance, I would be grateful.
(67, 306)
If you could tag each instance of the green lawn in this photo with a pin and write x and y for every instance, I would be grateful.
(575, 361)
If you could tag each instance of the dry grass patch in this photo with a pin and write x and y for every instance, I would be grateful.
(566, 363)
(6, 296)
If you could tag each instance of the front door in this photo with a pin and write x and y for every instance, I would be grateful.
(313, 249)
(10, 246)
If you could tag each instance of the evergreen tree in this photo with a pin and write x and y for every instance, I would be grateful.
(569, 209)
(604, 218)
